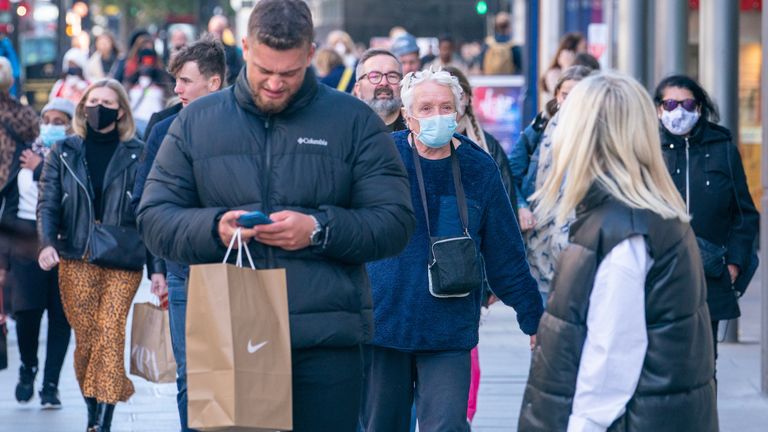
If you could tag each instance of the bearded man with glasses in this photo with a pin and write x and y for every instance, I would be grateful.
(379, 74)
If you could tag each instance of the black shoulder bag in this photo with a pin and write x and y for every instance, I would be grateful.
(454, 264)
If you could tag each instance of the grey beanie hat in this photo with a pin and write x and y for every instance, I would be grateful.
(60, 104)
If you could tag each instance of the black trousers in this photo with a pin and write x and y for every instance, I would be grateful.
(33, 292)
(327, 383)
(28, 334)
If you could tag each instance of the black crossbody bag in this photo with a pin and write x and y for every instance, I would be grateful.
(454, 264)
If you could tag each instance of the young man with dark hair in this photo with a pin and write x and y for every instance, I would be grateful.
(199, 70)
(378, 84)
(322, 166)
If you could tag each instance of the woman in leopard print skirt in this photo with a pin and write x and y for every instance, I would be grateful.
(86, 225)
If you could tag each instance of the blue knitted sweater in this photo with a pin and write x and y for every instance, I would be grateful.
(406, 316)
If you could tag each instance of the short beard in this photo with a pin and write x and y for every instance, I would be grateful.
(385, 107)
(271, 107)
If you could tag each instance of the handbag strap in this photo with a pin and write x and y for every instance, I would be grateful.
(461, 199)
(240, 246)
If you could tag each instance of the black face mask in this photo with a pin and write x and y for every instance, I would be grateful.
(100, 117)
(75, 70)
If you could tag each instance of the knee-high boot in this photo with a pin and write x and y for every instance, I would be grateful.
(91, 404)
(104, 417)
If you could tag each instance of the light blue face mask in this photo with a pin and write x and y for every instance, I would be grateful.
(50, 134)
(437, 131)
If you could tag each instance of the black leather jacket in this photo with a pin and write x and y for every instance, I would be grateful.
(65, 211)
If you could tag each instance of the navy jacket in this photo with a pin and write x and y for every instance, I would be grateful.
(154, 139)
(524, 159)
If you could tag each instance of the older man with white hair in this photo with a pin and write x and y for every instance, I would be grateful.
(427, 299)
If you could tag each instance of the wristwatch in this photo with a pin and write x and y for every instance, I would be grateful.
(318, 236)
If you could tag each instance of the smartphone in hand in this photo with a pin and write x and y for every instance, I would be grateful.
(249, 220)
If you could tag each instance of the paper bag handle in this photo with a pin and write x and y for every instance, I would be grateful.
(239, 260)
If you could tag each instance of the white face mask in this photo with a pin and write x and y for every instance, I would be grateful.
(340, 48)
(679, 121)
(145, 81)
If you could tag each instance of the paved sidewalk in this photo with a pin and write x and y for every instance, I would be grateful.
(504, 357)
(151, 409)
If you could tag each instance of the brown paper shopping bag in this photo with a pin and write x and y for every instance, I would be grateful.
(238, 348)
(151, 350)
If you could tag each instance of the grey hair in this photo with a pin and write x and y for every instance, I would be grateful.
(371, 53)
(439, 76)
(6, 74)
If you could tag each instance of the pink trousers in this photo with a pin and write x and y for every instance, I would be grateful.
(474, 384)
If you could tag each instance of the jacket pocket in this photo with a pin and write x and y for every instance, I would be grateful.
(717, 179)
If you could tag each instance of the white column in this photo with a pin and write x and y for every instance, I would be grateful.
(672, 38)
(631, 28)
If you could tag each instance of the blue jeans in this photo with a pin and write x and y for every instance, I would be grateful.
(177, 309)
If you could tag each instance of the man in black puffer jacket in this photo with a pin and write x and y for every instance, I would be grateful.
(321, 164)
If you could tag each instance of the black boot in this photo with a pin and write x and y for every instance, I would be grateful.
(104, 417)
(91, 404)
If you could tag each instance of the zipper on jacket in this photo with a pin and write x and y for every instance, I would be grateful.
(687, 177)
(265, 185)
(90, 204)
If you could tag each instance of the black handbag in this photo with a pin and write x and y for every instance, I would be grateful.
(116, 247)
(454, 265)
(712, 257)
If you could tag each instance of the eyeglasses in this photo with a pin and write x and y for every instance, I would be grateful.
(375, 77)
(688, 104)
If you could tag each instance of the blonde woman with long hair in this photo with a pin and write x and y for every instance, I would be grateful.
(87, 227)
(627, 323)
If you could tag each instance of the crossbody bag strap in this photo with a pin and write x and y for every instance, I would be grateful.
(461, 198)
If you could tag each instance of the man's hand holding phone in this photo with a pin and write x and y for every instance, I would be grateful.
(290, 230)
(286, 229)
(228, 226)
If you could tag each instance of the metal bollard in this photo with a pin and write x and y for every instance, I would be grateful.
(731, 330)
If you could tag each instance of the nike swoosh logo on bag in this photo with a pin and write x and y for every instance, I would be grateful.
(253, 348)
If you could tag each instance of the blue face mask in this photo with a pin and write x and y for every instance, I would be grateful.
(436, 131)
(50, 134)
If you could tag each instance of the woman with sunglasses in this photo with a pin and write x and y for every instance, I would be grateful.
(706, 167)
